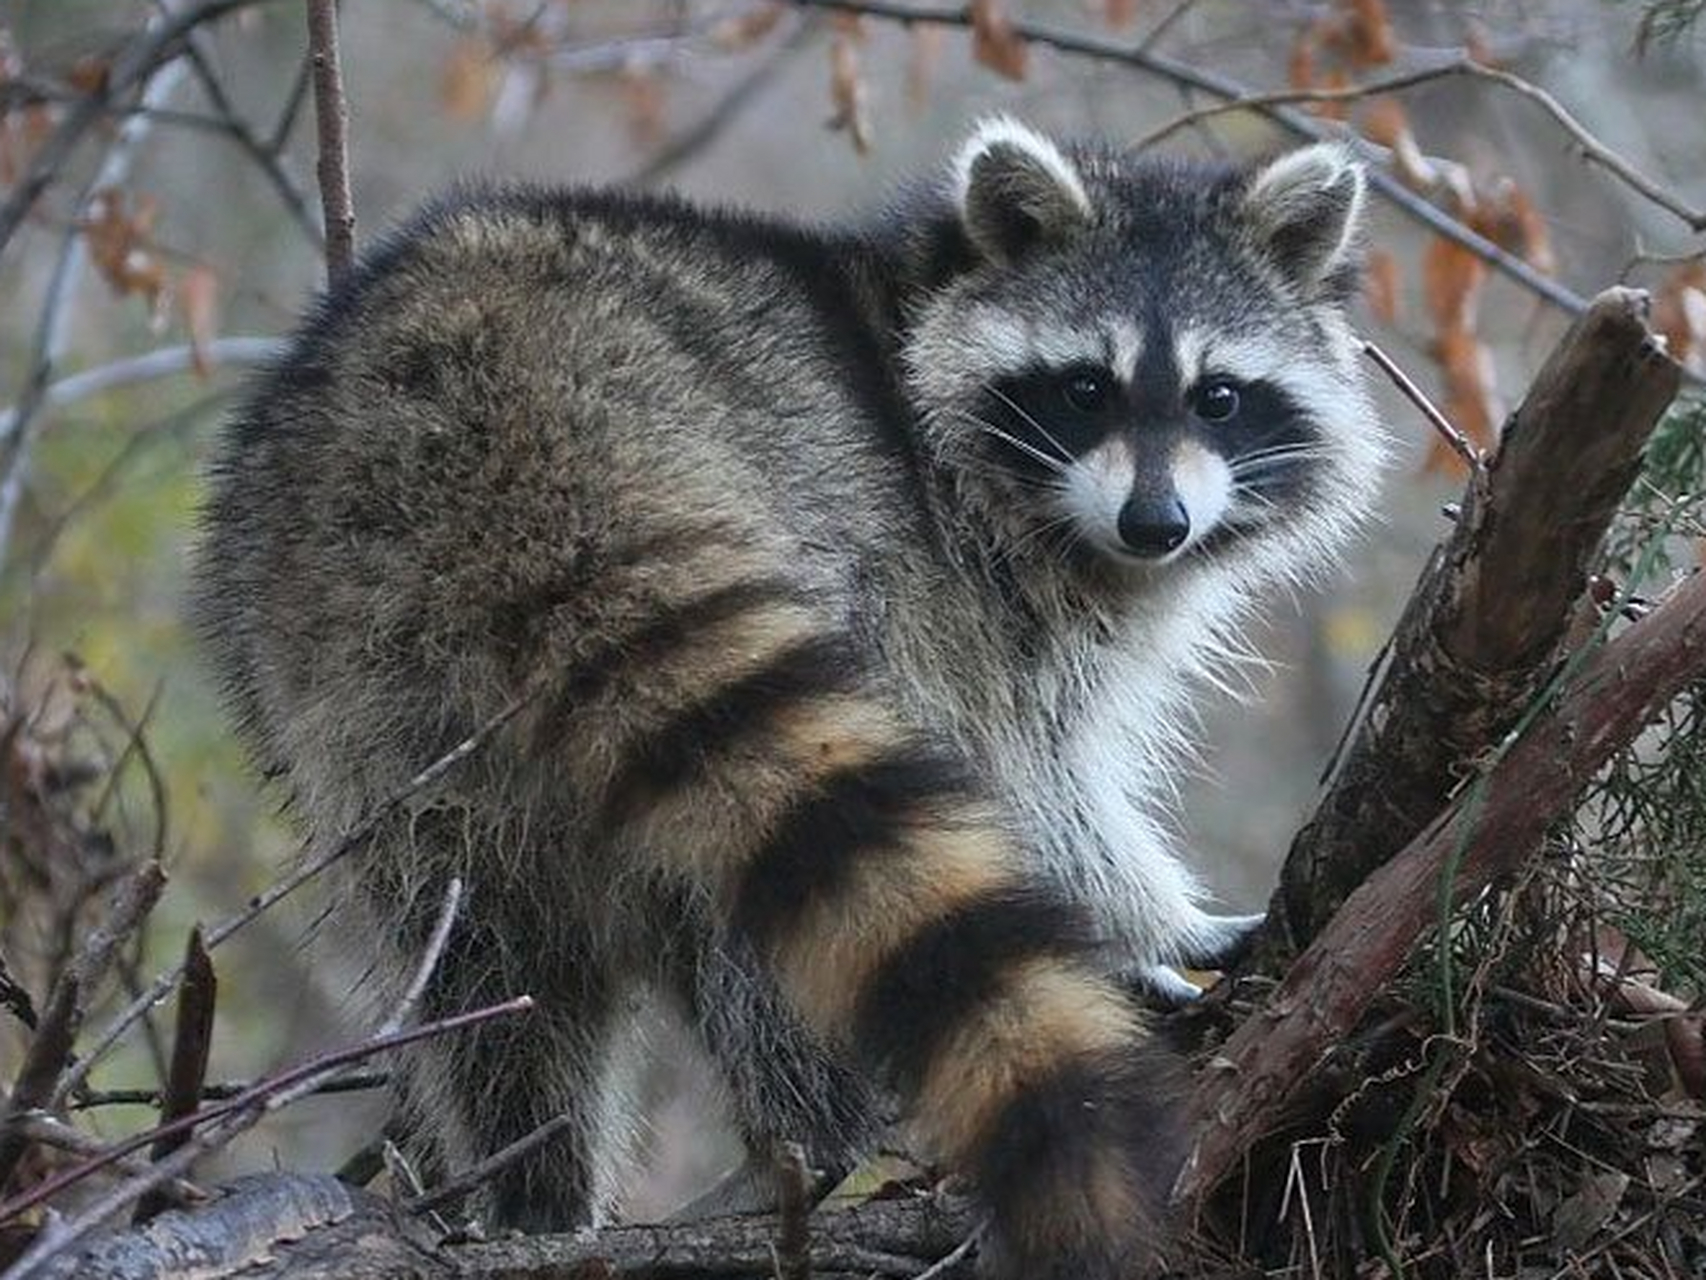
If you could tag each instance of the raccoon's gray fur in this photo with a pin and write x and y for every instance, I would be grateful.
(850, 581)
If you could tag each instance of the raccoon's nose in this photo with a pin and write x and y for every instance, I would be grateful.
(1154, 528)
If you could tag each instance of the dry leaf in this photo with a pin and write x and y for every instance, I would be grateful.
(198, 298)
(847, 92)
(1364, 35)
(1679, 313)
(1380, 285)
(994, 43)
(1119, 13)
(926, 53)
(1333, 109)
(89, 74)
(1510, 220)
(1300, 66)
(1451, 283)
(644, 98)
(119, 245)
(743, 30)
(1472, 402)
(467, 81)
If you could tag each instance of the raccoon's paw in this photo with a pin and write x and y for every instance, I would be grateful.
(1160, 984)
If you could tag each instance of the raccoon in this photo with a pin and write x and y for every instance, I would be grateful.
(851, 582)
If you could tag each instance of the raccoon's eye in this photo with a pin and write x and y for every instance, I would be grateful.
(1216, 401)
(1087, 390)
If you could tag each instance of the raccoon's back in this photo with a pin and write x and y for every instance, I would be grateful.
(529, 421)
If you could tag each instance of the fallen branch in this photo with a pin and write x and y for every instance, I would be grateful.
(1490, 832)
(1485, 625)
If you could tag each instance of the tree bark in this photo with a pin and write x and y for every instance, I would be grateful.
(1485, 625)
(1617, 692)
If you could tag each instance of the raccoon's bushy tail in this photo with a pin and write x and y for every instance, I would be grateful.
(858, 858)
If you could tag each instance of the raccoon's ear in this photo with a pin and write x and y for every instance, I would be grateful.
(1016, 190)
(1306, 207)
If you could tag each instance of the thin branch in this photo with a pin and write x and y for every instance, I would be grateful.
(476, 1175)
(793, 1234)
(53, 329)
(163, 362)
(355, 839)
(1459, 443)
(429, 958)
(191, 1043)
(236, 1115)
(264, 155)
(90, 1099)
(50, 1131)
(331, 113)
(50, 1050)
(1298, 123)
(134, 65)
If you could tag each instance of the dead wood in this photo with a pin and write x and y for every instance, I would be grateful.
(289, 1226)
(1489, 832)
(1485, 626)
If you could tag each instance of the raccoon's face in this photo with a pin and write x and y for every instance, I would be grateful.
(1148, 360)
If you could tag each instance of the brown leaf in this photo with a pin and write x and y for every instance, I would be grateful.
(1679, 313)
(198, 298)
(1451, 284)
(847, 92)
(928, 39)
(1333, 109)
(1510, 220)
(467, 81)
(1472, 402)
(1300, 66)
(994, 43)
(1119, 13)
(1380, 285)
(644, 98)
(1363, 37)
(119, 246)
(89, 74)
(745, 29)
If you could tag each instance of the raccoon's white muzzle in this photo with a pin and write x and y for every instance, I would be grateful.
(1155, 521)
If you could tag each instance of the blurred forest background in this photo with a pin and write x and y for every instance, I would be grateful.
(178, 234)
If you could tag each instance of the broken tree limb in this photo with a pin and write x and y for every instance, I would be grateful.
(313, 1227)
(1484, 627)
(1614, 693)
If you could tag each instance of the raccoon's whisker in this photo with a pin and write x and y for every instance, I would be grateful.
(1053, 463)
(1029, 418)
(1278, 455)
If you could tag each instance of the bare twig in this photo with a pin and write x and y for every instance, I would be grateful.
(1591, 146)
(90, 1099)
(165, 362)
(163, 984)
(190, 1046)
(50, 1131)
(53, 329)
(476, 1175)
(331, 112)
(49, 1052)
(429, 959)
(238, 1114)
(1195, 79)
(1459, 443)
(793, 1236)
(135, 64)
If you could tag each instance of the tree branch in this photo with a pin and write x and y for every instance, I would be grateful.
(1485, 624)
(331, 113)
(1617, 691)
